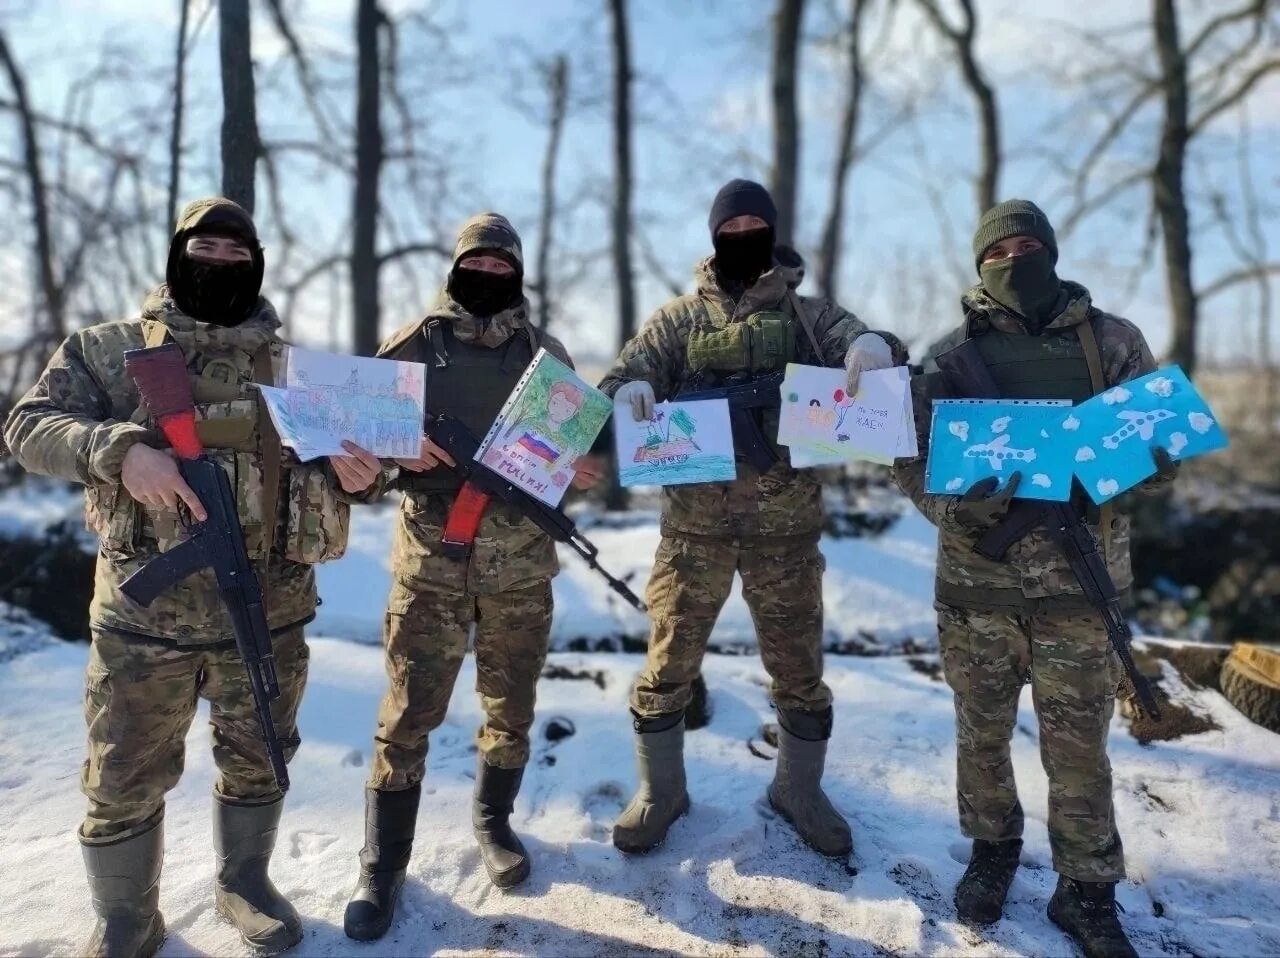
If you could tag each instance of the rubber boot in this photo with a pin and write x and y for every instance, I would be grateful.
(244, 836)
(1086, 910)
(503, 854)
(985, 884)
(796, 791)
(390, 819)
(124, 882)
(662, 796)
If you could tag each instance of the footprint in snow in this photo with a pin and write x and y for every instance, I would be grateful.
(306, 844)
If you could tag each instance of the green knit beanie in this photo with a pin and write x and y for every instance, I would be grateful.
(1012, 218)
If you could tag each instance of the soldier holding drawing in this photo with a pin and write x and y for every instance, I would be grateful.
(476, 341)
(744, 320)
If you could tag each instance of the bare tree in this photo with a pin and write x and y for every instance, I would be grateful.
(964, 40)
(175, 137)
(557, 79)
(366, 310)
(240, 145)
(787, 19)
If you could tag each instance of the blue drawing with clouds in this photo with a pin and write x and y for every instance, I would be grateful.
(1112, 435)
(972, 439)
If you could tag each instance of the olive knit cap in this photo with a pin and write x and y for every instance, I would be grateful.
(1012, 218)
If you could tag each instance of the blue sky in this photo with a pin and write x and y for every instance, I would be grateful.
(701, 95)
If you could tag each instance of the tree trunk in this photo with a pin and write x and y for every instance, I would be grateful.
(832, 231)
(786, 124)
(1168, 187)
(364, 215)
(558, 88)
(240, 146)
(50, 287)
(175, 135)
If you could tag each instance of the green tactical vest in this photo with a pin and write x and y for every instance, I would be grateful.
(469, 381)
(1048, 366)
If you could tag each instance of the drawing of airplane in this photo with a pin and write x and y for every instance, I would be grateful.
(997, 452)
(1143, 424)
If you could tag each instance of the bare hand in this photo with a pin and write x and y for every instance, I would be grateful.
(588, 470)
(430, 457)
(358, 471)
(151, 476)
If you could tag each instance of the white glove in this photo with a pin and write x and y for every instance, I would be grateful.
(640, 396)
(866, 353)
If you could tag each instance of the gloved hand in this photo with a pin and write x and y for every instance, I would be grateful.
(639, 394)
(983, 506)
(1166, 467)
(868, 351)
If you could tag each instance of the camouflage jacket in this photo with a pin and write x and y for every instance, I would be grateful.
(1035, 569)
(510, 552)
(83, 415)
(782, 501)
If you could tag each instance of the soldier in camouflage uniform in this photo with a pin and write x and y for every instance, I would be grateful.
(82, 422)
(744, 320)
(1000, 623)
(477, 340)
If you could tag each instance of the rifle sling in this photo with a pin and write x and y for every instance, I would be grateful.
(1093, 358)
(272, 459)
(802, 315)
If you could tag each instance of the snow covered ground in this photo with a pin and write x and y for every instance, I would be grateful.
(1200, 815)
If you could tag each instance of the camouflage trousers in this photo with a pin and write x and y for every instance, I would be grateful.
(140, 699)
(987, 658)
(692, 578)
(426, 640)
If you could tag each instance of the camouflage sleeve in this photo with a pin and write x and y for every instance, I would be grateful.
(655, 354)
(63, 427)
(909, 474)
(1126, 356)
(836, 328)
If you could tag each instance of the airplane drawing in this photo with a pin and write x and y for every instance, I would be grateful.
(1142, 424)
(998, 451)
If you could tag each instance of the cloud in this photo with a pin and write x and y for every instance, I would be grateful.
(1085, 454)
(1200, 422)
(955, 485)
(1162, 386)
(1071, 424)
(959, 429)
(1117, 395)
(1177, 443)
(1001, 424)
(1041, 480)
(1108, 487)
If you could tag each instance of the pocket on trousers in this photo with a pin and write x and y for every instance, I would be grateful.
(955, 639)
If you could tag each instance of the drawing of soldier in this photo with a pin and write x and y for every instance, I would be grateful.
(1002, 623)
(476, 340)
(744, 320)
(82, 422)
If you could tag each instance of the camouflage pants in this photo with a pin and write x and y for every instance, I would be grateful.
(140, 699)
(987, 657)
(692, 578)
(425, 644)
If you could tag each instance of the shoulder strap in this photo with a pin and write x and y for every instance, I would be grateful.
(802, 314)
(156, 333)
(272, 455)
(1093, 359)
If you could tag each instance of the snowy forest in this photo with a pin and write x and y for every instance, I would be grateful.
(360, 134)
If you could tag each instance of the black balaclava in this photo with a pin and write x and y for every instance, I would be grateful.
(741, 258)
(222, 294)
(484, 294)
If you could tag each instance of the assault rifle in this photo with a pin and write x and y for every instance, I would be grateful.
(481, 484)
(746, 399)
(217, 543)
(967, 375)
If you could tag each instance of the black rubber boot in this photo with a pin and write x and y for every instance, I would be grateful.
(796, 791)
(501, 850)
(662, 796)
(1086, 910)
(244, 835)
(124, 881)
(390, 819)
(985, 884)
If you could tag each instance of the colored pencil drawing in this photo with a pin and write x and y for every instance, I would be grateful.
(683, 442)
(822, 423)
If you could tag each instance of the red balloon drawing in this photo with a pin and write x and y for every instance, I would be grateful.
(839, 394)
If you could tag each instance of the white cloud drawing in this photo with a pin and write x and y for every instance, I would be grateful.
(1162, 386)
(1108, 487)
(1085, 454)
(1177, 443)
(959, 429)
(1001, 424)
(1041, 480)
(1071, 424)
(1200, 422)
(1044, 433)
(955, 484)
(1119, 394)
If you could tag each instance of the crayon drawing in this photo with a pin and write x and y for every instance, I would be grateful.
(684, 442)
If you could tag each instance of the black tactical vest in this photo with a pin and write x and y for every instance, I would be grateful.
(1048, 366)
(469, 381)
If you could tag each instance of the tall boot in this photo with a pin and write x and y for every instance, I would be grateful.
(390, 819)
(501, 850)
(1086, 910)
(796, 791)
(985, 884)
(124, 882)
(662, 796)
(244, 836)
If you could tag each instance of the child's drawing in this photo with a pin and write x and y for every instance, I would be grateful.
(822, 423)
(998, 452)
(684, 442)
(973, 439)
(1142, 424)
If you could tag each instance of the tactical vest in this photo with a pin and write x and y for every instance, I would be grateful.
(1049, 366)
(469, 381)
